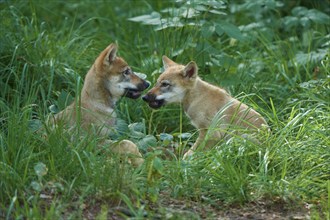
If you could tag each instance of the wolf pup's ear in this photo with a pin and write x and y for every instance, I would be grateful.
(167, 62)
(190, 70)
(111, 54)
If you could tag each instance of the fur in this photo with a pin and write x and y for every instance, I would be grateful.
(109, 79)
(210, 108)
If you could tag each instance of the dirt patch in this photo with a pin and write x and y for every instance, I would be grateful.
(275, 209)
(169, 208)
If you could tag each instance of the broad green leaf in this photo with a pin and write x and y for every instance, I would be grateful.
(185, 136)
(138, 126)
(152, 19)
(36, 186)
(318, 17)
(219, 30)
(230, 29)
(270, 4)
(158, 165)
(207, 30)
(289, 22)
(137, 130)
(305, 22)
(215, 4)
(217, 12)
(299, 11)
(190, 13)
(146, 142)
(35, 125)
(165, 136)
(314, 56)
(201, 8)
(53, 109)
(121, 128)
(136, 134)
(222, 60)
(310, 84)
(40, 169)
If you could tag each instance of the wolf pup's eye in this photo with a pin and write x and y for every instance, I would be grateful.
(126, 72)
(165, 84)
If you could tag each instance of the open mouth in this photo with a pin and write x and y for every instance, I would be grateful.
(156, 103)
(152, 101)
(136, 93)
(133, 93)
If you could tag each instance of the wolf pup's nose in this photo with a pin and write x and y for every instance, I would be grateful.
(146, 84)
(145, 98)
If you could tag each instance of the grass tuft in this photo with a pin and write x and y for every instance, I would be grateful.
(274, 56)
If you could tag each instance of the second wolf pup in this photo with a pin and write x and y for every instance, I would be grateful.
(109, 78)
(203, 103)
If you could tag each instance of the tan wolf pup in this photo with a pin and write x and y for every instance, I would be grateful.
(109, 78)
(203, 103)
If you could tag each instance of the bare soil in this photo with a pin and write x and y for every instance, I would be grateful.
(169, 208)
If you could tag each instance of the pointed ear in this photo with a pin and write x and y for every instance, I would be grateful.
(111, 54)
(167, 62)
(190, 70)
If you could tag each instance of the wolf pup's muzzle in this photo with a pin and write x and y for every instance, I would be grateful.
(152, 102)
(136, 93)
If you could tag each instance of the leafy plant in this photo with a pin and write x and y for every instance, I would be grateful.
(272, 55)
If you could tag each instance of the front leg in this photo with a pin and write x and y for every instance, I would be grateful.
(199, 140)
(205, 140)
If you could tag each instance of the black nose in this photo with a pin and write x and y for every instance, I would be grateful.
(143, 85)
(145, 98)
(146, 84)
(149, 97)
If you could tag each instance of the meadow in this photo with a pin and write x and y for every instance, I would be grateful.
(272, 55)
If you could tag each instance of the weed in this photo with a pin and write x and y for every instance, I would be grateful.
(273, 55)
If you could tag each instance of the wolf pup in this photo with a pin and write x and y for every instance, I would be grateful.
(203, 103)
(109, 78)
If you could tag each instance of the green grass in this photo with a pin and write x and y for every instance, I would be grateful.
(46, 48)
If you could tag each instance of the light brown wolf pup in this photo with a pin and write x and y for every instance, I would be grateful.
(211, 109)
(109, 78)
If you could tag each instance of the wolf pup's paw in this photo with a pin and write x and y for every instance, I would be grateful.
(136, 162)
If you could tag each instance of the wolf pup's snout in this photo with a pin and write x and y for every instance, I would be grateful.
(150, 98)
(136, 93)
(143, 85)
(146, 84)
(146, 97)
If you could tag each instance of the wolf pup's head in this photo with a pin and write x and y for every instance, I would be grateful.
(118, 77)
(173, 84)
